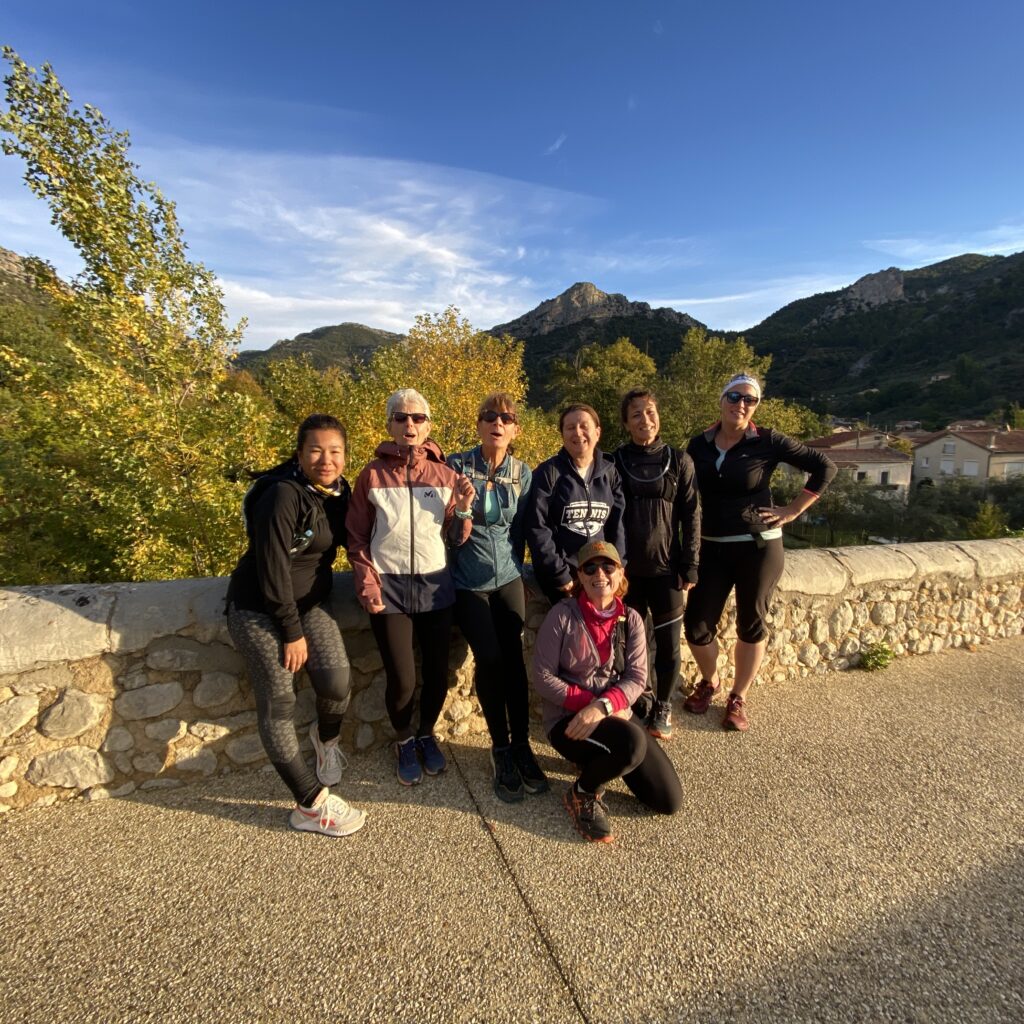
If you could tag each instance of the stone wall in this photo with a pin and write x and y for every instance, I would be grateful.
(108, 689)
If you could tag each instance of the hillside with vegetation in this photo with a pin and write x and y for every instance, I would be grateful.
(939, 343)
(345, 346)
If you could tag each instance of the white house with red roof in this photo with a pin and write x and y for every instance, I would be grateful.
(982, 454)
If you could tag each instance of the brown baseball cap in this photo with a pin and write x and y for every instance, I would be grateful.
(598, 549)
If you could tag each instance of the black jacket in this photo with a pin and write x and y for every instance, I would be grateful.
(662, 517)
(268, 578)
(564, 514)
(742, 484)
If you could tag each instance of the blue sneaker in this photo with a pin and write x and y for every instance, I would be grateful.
(409, 772)
(433, 760)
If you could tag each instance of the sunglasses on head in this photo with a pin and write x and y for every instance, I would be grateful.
(602, 563)
(416, 417)
(491, 416)
(735, 397)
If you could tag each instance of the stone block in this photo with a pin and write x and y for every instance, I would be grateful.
(183, 654)
(145, 611)
(368, 704)
(135, 678)
(105, 792)
(369, 662)
(73, 714)
(166, 731)
(201, 760)
(118, 739)
(161, 784)
(16, 713)
(150, 764)
(994, 558)
(364, 736)
(938, 558)
(883, 613)
(149, 701)
(812, 572)
(8, 765)
(42, 680)
(246, 749)
(214, 688)
(39, 625)
(70, 768)
(8, 789)
(868, 565)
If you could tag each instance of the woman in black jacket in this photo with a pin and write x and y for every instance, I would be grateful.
(741, 538)
(576, 498)
(279, 619)
(662, 522)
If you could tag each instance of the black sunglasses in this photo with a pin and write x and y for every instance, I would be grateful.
(491, 416)
(416, 417)
(602, 563)
(735, 397)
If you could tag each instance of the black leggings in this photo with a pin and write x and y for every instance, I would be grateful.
(620, 746)
(664, 597)
(492, 623)
(394, 634)
(258, 640)
(753, 571)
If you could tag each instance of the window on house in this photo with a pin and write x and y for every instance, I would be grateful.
(862, 476)
(924, 461)
(946, 466)
(949, 447)
(970, 467)
(885, 476)
(1014, 468)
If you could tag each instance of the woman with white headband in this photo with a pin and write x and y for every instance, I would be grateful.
(741, 538)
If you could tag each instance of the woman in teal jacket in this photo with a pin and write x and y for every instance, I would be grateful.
(490, 601)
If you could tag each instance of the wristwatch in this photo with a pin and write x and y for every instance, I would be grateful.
(606, 706)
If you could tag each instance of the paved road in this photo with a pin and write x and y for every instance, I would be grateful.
(858, 856)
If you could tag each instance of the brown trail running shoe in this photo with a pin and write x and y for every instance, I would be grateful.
(735, 717)
(589, 815)
(700, 700)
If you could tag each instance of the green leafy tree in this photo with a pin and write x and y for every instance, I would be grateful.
(693, 382)
(989, 521)
(600, 375)
(143, 433)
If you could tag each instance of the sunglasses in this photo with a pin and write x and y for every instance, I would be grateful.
(735, 397)
(591, 567)
(491, 416)
(416, 417)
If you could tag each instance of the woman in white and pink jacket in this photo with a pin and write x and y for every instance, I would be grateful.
(590, 668)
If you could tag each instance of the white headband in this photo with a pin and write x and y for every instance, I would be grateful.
(742, 378)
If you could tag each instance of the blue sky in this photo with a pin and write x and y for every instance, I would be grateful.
(336, 161)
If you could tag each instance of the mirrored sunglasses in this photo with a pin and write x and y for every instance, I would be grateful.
(735, 397)
(416, 417)
(490, 416)
(600, 563)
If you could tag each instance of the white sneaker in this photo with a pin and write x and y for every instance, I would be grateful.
(330, 761)
(329, 815)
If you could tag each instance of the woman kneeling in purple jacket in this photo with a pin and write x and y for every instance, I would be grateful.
(590, 667)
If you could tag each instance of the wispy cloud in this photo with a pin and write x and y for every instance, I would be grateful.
(556, 145)
(738, 310)
(998, 241)
(658, 28)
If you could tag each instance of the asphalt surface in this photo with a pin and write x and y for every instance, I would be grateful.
(857, 856)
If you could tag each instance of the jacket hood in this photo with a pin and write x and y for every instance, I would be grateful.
(429, 450)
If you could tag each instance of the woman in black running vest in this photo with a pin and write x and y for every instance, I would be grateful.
(741, 538)
(280, 620)
(662, 521)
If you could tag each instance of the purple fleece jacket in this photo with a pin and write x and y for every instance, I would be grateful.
(565, 661)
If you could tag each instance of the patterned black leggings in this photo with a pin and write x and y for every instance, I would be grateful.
(257, 639)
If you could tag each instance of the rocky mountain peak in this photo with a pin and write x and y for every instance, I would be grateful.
(585, 301)
(867, 292)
